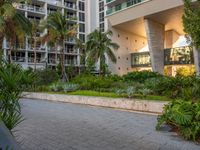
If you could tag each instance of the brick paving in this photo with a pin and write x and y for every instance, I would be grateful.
(63, 126)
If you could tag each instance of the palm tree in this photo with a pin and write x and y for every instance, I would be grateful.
(80, 45)
(13, 25)
(58, 31)
(98, 46)
(34, 39)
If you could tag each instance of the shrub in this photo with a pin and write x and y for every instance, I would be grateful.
(185, 71)
(140, 76)
(90, 82)
(184, 116)
(46, 77)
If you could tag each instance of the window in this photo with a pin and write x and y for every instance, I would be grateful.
(82, 37)
(81, 27)
(81, 17)
(101, 17)
(101, 27)
(81, 6)
(101, 6)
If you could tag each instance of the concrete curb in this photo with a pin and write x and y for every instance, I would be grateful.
(119, 103)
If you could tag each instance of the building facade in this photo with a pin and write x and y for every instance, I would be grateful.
(149, 32)
(150, 35)
(48, 56)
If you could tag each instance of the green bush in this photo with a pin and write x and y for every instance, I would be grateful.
(140, 76)
(184, 116)
(90, 82)
(46, 77)
(175, 87)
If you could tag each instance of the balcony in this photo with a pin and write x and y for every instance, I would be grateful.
(179, 56)
(70, 40)
(70, 6)
(35, 9)
(122, 6)
(18, 59)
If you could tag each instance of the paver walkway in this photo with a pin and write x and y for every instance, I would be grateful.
(63, 126)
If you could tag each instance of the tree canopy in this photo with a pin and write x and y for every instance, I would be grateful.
(191, 21)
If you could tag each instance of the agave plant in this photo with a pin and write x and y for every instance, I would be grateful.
(56, 87)
(130, 91)
(145, 91)
(70, 87)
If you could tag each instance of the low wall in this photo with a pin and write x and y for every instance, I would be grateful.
(119, 103)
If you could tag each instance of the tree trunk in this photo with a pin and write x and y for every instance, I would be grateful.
(196, 53)
(100, 63)
(1, 47)
(64, 75)
(34, 54)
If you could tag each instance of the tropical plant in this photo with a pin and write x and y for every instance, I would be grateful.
(98, 46)
(184, 116)
(13, 81)
(45, 76)
(191, 21)
(13, 25)
(34, 39)
(59, 30)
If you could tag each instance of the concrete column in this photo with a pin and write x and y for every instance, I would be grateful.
(155, 36)
(196, 53)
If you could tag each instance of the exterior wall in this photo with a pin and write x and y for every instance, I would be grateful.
(145, 8)
(156, 21)
(128, 43)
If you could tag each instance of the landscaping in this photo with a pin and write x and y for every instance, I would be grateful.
(182, 91)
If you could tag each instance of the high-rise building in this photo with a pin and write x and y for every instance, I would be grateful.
(150, 35)
(149, 32)
(39, 9)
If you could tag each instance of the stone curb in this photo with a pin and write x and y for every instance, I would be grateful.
(118, 103)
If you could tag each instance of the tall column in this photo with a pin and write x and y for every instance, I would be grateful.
(196, 53)
(155, 36)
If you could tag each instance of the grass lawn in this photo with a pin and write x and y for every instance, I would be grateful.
(112, 95)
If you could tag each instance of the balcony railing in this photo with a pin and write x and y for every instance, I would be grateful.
(178, 56)
(35, 9)
(123, 6)
(172, 56)
(18, 59)
(141, 59)
(70, 6)
(31, 8)
(108, 1)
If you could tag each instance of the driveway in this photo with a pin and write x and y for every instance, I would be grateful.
(63, 126)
